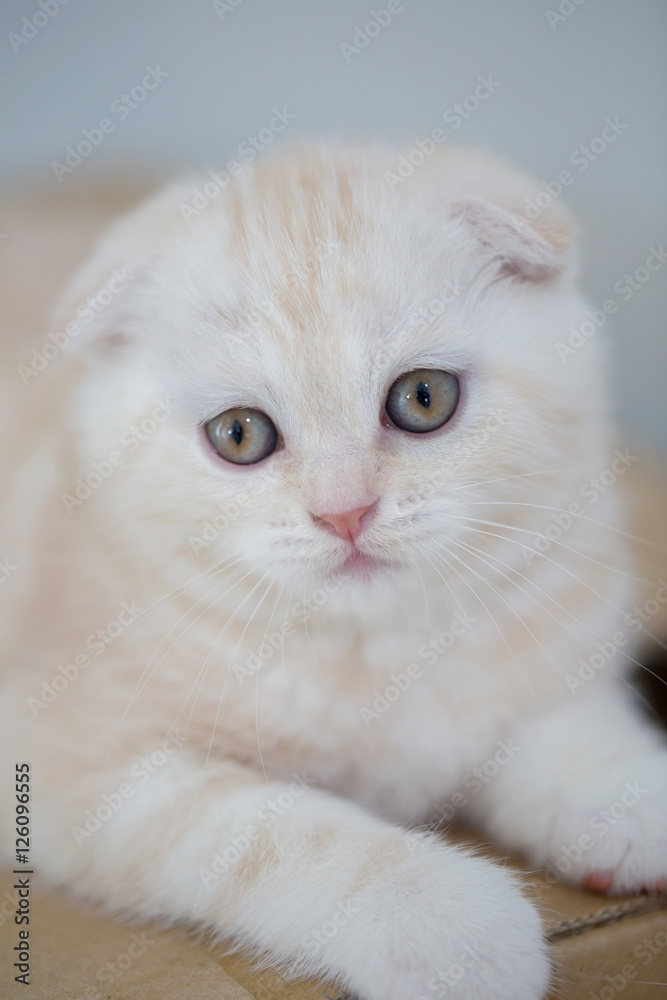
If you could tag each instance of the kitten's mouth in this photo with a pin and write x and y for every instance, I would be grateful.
(362, 566)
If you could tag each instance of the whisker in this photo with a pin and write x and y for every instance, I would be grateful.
(515, 613)
(479, 555)
(491, 616)
(197, 683)
(657, 547)
(141, 686)
(554, 541)
(416, 565)
(310, 643)
(597, 635)
(523, 475)
(282, 651)
(455, 598)
(259, 748)
(184, 586)
(569, 572)
(220, 634)
(202, 673)
(438, 825)
(273, 611)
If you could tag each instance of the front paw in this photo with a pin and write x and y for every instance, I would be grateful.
(621, 845)
(443, 923)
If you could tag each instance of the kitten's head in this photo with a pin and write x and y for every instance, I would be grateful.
(349, 361)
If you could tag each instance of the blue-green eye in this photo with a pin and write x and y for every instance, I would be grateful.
(242, 435)
(422, 400)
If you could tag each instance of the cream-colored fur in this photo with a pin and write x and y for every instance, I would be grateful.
(226, 726)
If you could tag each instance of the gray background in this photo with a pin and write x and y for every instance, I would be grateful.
(558, 84)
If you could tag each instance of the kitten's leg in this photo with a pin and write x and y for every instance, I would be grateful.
(310, 879)
(584, 792)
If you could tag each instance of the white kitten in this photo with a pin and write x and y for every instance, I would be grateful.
(283, 588)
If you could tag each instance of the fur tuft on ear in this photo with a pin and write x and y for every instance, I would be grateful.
(522, 249)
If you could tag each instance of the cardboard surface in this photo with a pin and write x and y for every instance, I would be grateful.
(79, 954)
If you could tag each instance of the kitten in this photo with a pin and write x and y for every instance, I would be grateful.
(287, 588)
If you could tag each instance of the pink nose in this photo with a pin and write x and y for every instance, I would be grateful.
(347, 525)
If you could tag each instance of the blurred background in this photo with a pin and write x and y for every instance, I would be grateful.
(182, 85)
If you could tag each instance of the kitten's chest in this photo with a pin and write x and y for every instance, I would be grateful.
(397, 740)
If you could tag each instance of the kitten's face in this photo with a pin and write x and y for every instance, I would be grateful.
(305, 294)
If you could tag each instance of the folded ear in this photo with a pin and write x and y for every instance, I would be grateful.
(97, 304)
(532, 251)
(496, 202)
